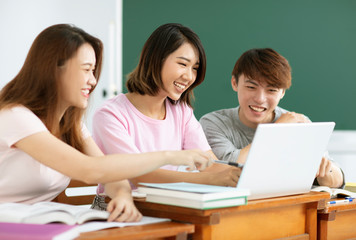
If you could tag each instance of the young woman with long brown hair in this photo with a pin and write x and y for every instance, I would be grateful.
(43, 142)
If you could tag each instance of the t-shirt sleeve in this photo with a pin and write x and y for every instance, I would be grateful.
(194, 137)
(111, 133)
(17, 123)
(218, 138)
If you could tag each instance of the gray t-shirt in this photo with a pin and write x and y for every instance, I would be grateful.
(226, 134)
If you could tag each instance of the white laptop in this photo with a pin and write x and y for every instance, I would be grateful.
(284, 158)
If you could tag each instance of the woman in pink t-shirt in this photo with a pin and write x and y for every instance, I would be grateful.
(43, 142)
(156, 114)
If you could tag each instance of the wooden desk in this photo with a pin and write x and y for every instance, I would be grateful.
(337, 221)
(165, 230)
(291, 217)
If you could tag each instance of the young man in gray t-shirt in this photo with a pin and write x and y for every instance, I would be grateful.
(260, 78)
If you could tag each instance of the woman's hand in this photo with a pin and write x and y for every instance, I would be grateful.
(194, 159)
(123, 209)
(223, 175)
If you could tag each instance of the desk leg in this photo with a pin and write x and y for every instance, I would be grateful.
(311, 222)
(322, 230)
(179, 236)
(202, 232)
(323, 224)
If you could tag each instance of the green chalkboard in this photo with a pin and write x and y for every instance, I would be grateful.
(317, 37)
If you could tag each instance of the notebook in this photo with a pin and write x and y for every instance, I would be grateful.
(284, 158)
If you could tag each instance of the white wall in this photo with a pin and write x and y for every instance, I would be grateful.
(22, 20)
(342, 147)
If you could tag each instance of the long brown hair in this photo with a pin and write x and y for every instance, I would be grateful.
(146, 77)
(36, 85)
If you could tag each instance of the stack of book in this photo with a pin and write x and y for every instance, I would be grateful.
(191, 195)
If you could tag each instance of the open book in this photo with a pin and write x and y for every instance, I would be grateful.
(334, 192)
(48, 212)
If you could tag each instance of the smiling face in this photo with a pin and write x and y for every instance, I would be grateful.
(257, 100)
(179, 71)
(77, 78)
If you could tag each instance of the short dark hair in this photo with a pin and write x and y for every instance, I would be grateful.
(146, 77)
(264, 64)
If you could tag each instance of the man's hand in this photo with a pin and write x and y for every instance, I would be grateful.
(292, 117)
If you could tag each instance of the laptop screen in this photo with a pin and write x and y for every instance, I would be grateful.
(284, 158)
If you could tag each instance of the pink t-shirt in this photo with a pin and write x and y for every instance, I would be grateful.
(118, 127)
(22, 178)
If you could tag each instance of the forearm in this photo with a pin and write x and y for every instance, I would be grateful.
(168, 176)
(97, 168)
(217, 174)
(112, 168)
(243, 154)
(52, 152)
(114, 189)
